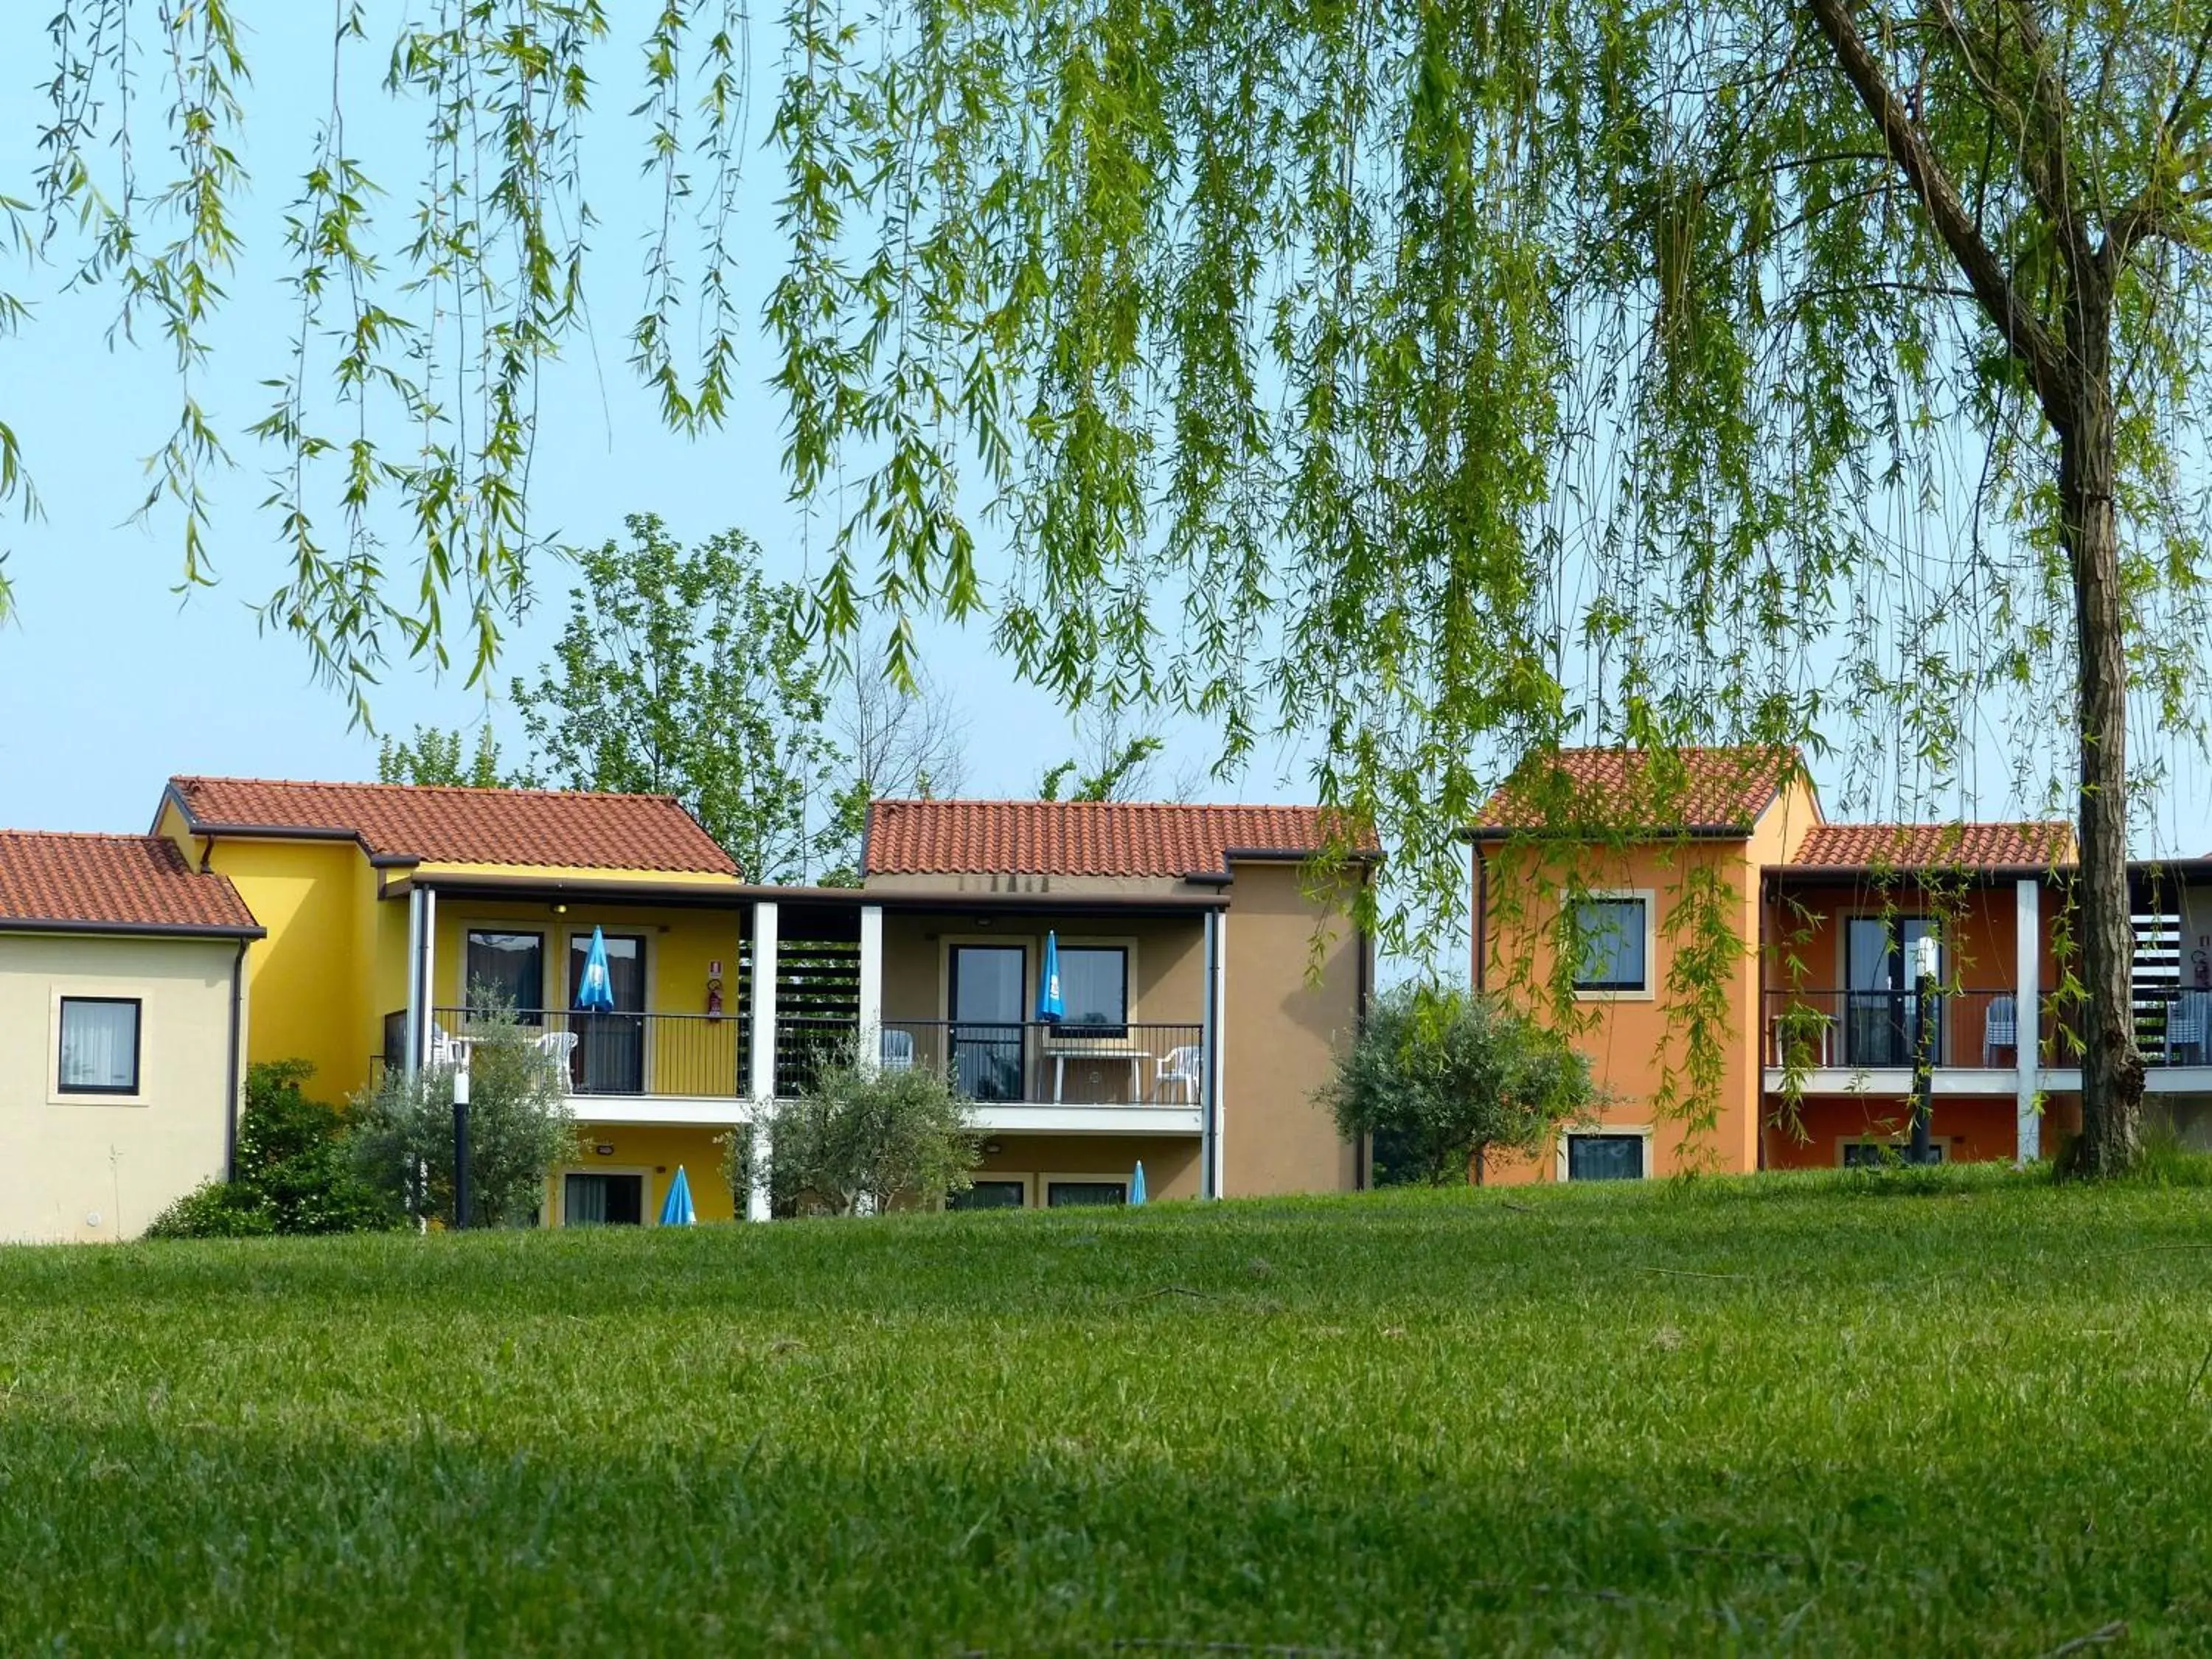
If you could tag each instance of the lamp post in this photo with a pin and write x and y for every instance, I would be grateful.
(461, 1140)
(1926, 964)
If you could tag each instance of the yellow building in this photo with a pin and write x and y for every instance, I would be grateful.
(123, 1020)
(1208, 992)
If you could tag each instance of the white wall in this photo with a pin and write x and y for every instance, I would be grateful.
(100, 1167)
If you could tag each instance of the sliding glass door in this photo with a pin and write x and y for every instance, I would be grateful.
(985, 1003)
(1882, 954)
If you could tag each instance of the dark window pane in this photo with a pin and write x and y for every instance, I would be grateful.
(507, 970)
(1613, 945)
(1062, 1195)
(1605, 1157)
(1094, 985)
(987, 1015)
(1869, 1154)
(989, 1196)
(603, 1201)
(100, 1046)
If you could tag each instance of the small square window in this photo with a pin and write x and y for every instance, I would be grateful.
(100, 1046)
(1612, 934)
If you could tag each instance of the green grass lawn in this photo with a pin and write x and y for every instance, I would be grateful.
(1797, 1415)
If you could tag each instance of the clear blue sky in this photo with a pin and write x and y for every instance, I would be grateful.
(110, 681)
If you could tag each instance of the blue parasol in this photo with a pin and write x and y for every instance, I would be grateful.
(1137, 1185)
(1050, 1009)
(595, 990)
(677, 1211)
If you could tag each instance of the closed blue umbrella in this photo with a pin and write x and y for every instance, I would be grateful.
(1137, 1184)
(1050, 1008)
(595, 989)
(677, 1211)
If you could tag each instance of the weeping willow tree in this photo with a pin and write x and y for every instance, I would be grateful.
(1446, 379)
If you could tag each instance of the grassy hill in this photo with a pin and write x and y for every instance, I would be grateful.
(1822, 1416)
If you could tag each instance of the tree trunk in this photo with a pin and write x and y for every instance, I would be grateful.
(2112, 1070)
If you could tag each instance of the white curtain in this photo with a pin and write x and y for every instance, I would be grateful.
(99, 1044)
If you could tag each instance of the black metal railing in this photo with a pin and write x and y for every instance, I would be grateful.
(697, 1055)
(1875, 1030)
(2173, 1024)
(1883, 1029)
(1134, 1064)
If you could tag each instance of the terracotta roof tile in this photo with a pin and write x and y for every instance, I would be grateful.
(438, 824)
(1937, 846)
(1712, 789)
(1086, 838)
(126, 881)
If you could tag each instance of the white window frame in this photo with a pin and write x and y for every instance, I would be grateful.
(1648, 898)
(1641, 1130)
(96, 991)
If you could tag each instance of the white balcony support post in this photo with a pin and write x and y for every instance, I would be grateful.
(1217, 943)
(871, 1038)
(426, 1049)
(763, 1056)
(411, 1042)
(2027, 952)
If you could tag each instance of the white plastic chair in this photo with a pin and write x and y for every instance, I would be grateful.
(558, 1048)
(2000, 1029)
(896, 1048)
(2189, 1026)
(1183, 1070)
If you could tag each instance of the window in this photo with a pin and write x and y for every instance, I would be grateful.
(100, 1046)
(1605, 1157)
(1067, 1194)
(603, 1201)
(1094, 986)
(507, 970)
(1614, 934)
(1873, 1154)
(991, 1196)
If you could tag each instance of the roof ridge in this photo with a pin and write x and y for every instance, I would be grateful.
(89, 834)
(1153, 806)
(423, 788)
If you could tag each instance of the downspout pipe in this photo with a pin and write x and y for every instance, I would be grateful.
(232, 1105)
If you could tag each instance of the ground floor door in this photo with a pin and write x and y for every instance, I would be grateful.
(595, 1200)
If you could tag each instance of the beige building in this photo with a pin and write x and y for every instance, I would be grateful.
(123, 1020)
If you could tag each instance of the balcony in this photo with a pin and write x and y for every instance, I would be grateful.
(1138, 1076)
(1868, 1041)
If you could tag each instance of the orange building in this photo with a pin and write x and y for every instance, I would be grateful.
(1746, 977)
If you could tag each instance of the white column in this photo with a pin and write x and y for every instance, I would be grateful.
(763, 1053)
(411, 1043)
(871, 1039)
(428, 957)
(2027, 952)
(1217, 980)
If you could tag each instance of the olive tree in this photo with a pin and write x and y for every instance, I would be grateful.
(1443, 1081)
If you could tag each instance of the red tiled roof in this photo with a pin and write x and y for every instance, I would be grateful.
(1937, 846)
(1710, 789)
(1087, 838)
(439, 825)
(135, 882)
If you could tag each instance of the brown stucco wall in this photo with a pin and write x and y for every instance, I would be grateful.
(1284, 1027)
(1171, 1164)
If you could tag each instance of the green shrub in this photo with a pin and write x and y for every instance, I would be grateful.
(861, 1138)
(214, 1209)
(402, 1138)
(290, 1172)
(1442, 1079)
